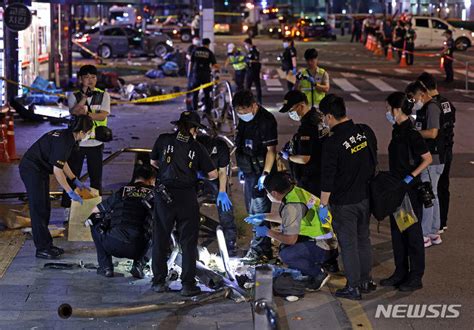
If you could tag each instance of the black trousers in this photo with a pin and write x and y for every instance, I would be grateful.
(351, 224)
(239, 77)
(443, 191)
(311, 185)
(253, 77)
(37, 190)
(448, 68)
(410, 49)
(184, 213)
(289, 84)
(408, 246)
(94, 156)
(196, 82)
(108, 246)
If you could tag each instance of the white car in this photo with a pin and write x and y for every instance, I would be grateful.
(430, 33)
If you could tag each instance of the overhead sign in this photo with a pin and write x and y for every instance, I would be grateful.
(17, 17)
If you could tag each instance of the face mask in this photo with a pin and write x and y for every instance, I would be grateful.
(196, 42)
(272, 199)
(246, 117)
(86, 137)
(285, 45)
(418, 105)
(390, 118)
(294, 116)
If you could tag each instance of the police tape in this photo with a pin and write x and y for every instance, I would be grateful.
(8, 81)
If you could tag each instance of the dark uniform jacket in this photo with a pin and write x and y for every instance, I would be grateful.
(201, 60)
(52, 149)
(448, 114)
(428, 117)
(286, 62)
(252, 140)
(217, 149)
(348, 163)
(253, 59)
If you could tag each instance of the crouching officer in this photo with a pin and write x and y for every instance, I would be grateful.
(307, 243)
(304, 150)
(256, 143)
(178, 158)
(220, 155)
(121, 225)
(49, 155)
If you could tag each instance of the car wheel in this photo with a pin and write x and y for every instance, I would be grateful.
(462, 44)
(186, 37)
(105, 51)
(160, 50)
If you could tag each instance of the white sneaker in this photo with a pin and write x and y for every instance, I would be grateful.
(427, 241)
(441, 231)
(445, 228)
(67, 213)
(435, 239)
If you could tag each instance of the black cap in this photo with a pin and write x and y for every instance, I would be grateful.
(191, 117)
(291, 98)
(310, 53)
(248, 41)
(87, 69)
(103, 134)
(206, 41)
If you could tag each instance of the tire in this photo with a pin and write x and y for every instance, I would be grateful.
(186, 37)
(462, 44)
(105, 51)
(160, 50)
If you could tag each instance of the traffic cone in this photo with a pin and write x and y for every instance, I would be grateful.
(441, 63)
(389, 52)
(367, 43)
(403, 60)
(379, 50)
(11, 146)
(373, 45)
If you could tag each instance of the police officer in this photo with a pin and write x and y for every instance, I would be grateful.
(254, 67)
(448, 113)
(121, 225)
(220, 155)
(304, 150)
(313, 81)
(202, 60)
(429, 124)
(348, 163)
(410, 37)
(448, 56)
(94, 103)
(49, 155)
(196, 42)
(256, 142)
(288, 60)
(178, 158)
(399, 38)
(306, 243)
(236, 58)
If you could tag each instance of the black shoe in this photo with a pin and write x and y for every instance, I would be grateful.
(57, 249)
(393, 280)
(410, 286)
(105, 271)
(368, 286)
(137, 269)
(316, 283)
(190, 290)
(159, 287)
(47, 254)
(349, 293)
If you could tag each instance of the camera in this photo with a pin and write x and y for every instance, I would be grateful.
(162, 192)
(425, 193)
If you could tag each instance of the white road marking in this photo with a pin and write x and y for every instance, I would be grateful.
(373, 70)
(402, 71)
(345, 85)
(273, 82)
(381, 85)
(275, 89)
(433, 71)
(463, 72)
(348, 75)
(359, 98)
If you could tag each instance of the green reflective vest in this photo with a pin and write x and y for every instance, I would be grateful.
(310, 225)
(237, 60)
(305, 86)
(96, 100)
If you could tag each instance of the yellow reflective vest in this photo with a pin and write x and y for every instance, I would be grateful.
(305, 86)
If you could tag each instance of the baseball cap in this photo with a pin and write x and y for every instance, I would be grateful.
(291, 98)
(230, 47)
(189, 117)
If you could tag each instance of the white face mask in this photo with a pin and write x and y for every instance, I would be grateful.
(390, 117)
(246, 117)
(87, 137)
(285, 45)
(294, 116)
(196, 42)
(418, 105)
(271, 198)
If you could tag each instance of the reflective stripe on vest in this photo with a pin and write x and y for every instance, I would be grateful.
(305, 86)
(238, 62)
(95, 101)
(310, 225)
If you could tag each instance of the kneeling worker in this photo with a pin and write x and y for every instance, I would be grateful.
(121, 225)
(306, 242)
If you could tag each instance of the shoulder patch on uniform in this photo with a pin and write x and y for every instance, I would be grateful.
(446, 107)
(305, 138)
(135, 192)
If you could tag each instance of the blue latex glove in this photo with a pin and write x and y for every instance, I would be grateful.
(294, 71)
(241, 176)
(255, 219)
(81, 185)
(311, 80)
(200, 175)
(284, 154)
(223, 201)
(75, 197)
(408, 179)
(323, 214)
(261, 179)
(261, 231)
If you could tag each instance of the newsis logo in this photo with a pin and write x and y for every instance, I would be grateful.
(412, 311)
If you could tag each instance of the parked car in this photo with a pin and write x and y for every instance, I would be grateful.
(309, 28)
(117, 41)
(430, 33)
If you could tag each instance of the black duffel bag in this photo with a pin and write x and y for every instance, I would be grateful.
(386, 194)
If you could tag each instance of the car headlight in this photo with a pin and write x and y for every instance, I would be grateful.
(169, 43)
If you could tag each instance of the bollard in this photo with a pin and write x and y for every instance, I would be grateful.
(265, 316)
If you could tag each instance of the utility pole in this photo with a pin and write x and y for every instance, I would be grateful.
(206, 10)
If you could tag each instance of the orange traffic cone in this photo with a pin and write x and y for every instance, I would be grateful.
(403, 60)
(11, 146)
(379, 50)
(389, 52)
(367, 43)
(441, 63)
